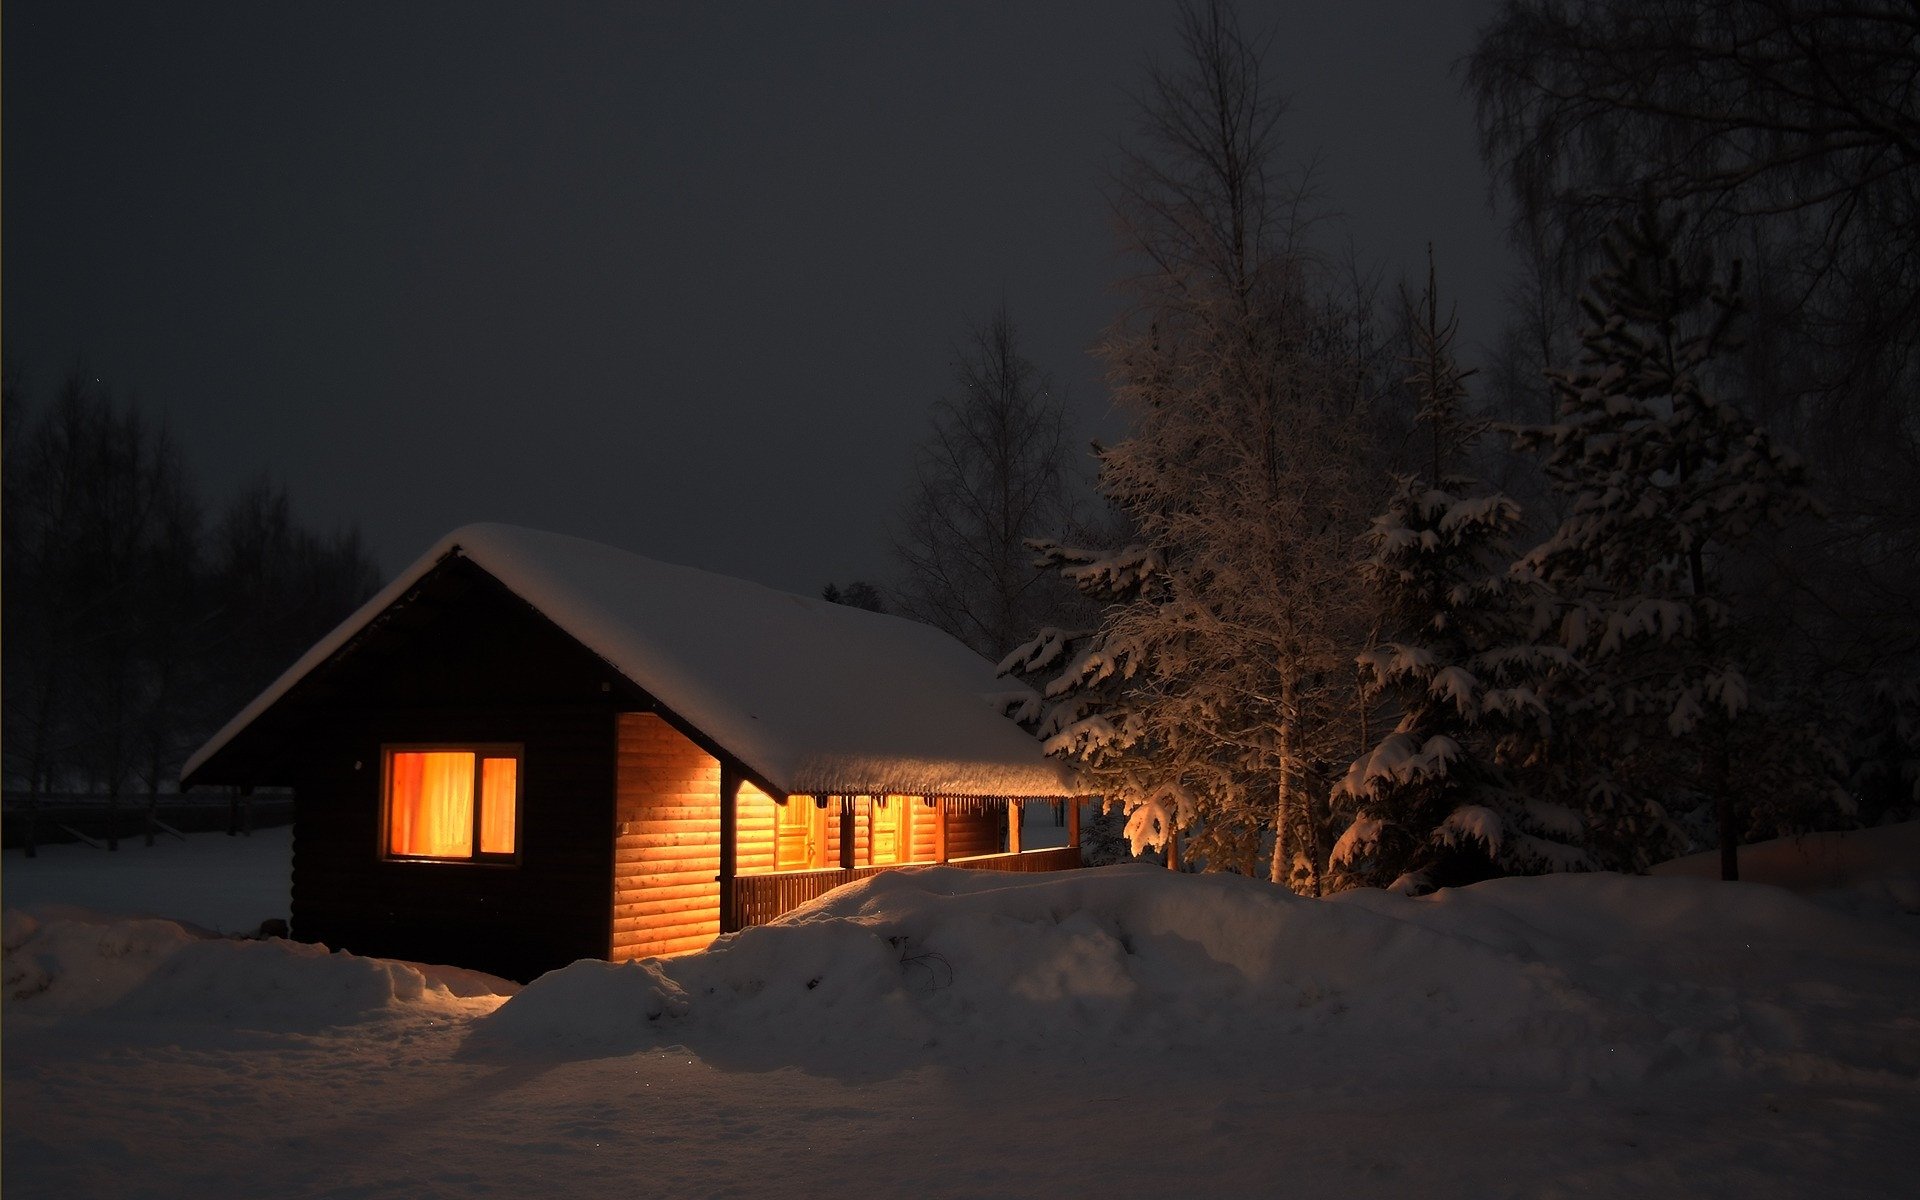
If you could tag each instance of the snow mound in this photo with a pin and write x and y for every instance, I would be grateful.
(1566, 981)
(1869, 871)
(71, 966)
(590, 1005)
(151, 969)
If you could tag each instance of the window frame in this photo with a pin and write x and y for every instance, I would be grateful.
(481, 751)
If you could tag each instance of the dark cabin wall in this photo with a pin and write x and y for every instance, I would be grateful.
(483, 668)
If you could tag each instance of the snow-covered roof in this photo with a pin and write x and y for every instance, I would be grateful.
(812, 696)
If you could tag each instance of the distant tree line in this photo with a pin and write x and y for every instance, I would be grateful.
(137, 616)
(1356, 622)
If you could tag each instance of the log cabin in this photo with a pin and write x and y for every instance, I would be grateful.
(530, 749)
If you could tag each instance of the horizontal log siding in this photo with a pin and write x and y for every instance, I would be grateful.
(976, 828)
(666, 847)
(923, 819)
(758, 819)
(859, 830)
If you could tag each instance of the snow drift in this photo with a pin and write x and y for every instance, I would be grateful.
(151, 970)
(1867, 871)
(1118, 1032)
(1569, 981)
(1562, 981)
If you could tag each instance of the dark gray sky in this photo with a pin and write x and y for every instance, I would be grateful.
(684, 279)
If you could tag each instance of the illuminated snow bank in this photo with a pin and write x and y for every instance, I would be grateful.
(1573, 980)
(1564, 982)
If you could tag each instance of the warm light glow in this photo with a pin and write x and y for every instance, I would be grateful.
(800, 835)
(430, 804)
(887, 832)
(499, 789)
(441, 802)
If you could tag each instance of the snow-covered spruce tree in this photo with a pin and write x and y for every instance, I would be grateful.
(1215, 699)
(1663, 479)
(1433, 802)
(1884, 750)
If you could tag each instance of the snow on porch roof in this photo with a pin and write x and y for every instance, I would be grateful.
(813, 696)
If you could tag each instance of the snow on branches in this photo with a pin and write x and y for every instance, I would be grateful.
(1663, 479)
(1458, 670)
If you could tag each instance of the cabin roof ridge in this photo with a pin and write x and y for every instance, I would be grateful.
(797, 689)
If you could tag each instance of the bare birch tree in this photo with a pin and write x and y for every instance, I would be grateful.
(993, 473)
(133, 628)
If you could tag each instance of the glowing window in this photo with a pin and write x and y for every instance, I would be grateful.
(453, 802)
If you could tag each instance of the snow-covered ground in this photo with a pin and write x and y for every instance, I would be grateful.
(1864, 870)
(225, 884)
(933, 1032)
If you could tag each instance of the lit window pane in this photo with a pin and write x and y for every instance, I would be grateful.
(499, 783)
(430, 807)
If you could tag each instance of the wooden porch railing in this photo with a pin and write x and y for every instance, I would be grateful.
(758, 899)
(1059, 858)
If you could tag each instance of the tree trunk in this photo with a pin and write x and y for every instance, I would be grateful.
(1719, 768)
(1283, 802)
(1722, 784)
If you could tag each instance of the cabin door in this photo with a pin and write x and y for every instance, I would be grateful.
(887, 830)
(800, 832)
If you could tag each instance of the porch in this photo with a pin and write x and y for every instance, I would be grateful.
(779, 854)
(758, 899)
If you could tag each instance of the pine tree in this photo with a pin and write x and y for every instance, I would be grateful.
(1884, 749)
(1432, 802)
(858, 594)
(1663, 478)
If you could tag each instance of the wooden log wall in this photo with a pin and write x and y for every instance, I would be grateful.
(975, 827)
(461, 663)
(666, 850)
(759, 819)
(860, 831)
(924, 837)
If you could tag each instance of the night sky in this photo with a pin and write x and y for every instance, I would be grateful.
(683, 280)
